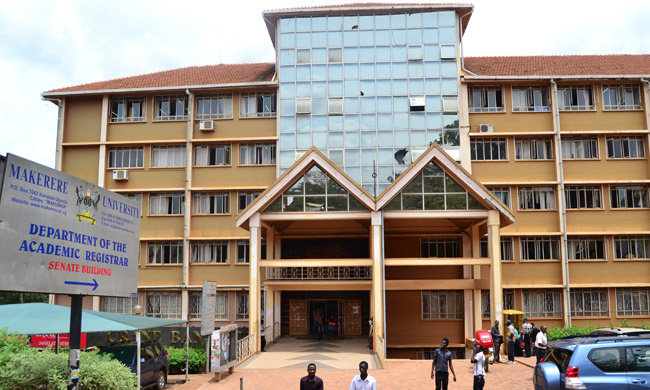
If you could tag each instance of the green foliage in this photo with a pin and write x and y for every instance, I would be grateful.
(8, 298)
(196, 361)
(558, 333)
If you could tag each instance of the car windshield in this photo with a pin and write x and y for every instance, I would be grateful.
(123, 354)
(560, 357)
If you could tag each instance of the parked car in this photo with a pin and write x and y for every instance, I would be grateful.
(607, 362)
(154, 362)
(619, 331)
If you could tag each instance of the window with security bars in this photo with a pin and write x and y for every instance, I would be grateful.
(165, 252)
(442, 247)
(536, 198)
(211, 203)
(217, 106)
(485, 303)
(585, 248)
(429, 353)
(586, 302)
(126, 157)
(242, 305)
(579, 148)
(632, 302)
(163, 304)
(488, 149)
(215, 252)
(246, 198)
(221, 308)
(486, 99)
(631, 247)
(171, 108)
(507, 253)
(196, 303)
(117, 305)
(168, 156)
(218, 154)
(539, 248)
(533, 149)
(575, 97)
(629, 197)
(128, 109)
(442, 304)
(503, 193)
(258, 104)
(530, 98)
(542, 303)
(625, 147)
(509, 299)
(167, 204)
(621, 97)
(583, 197)
(243, 249)
(257, 154)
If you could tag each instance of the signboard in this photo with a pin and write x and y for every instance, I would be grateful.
(63, 235)
(208, 302)
(223, 348)
(215, 350)
(49, 340)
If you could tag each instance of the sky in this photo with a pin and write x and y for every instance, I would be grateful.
(47, 45)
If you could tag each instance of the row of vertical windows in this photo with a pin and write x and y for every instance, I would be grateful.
(202, 202)
(167, 304)
(204, 252)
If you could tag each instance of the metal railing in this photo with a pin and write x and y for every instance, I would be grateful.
(245, 347)
(318, 273)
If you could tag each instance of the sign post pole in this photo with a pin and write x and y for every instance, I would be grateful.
(75, 341)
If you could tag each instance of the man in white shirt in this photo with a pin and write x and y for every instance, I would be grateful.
(540, 343)
(526, 330)
(479, 372)
(363, 381)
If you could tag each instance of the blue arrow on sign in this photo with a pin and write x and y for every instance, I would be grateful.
(94, 283)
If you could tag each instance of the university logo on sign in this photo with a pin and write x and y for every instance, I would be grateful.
(87, 204)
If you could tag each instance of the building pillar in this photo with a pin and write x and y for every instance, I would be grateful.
(494, 251)
(254, 279)
(468, 297)
(377, 291)
(476, 273)
(270, 243)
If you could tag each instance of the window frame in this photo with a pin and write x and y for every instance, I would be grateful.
(634, 292)
(489, 142)
(498, 192)
(485, 101)
(627, 144)
(115, 151)
(167, 153)
(162, 247)
(573, 94)
(218, 252)
(586, 241)
(529, 145)
(452, 246)
(248, 197)
(582, 196)
(621, 96)
(243, 252)
(258, 150)
(458, 312)
(632, 248)
(211, 152)
(242, 312)
(176, 311)
(589, 292)
(530, 197)
(116, 116)
(530, 96)
(639, 192)
(159, 199)
(158, 100)
(217, 202)
(577, 147)
(273, 107)
(543, 312)
(539, 243)
(118, 305)
(223, 109)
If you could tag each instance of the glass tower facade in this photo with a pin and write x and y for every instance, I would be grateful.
(370, 91)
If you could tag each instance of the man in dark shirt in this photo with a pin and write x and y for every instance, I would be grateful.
(496, 339)
(533, 332)
(311, 381)
(441, 365)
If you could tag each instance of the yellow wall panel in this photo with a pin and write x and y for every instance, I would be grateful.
(514, 171)
(437, 272)
(146, 131)
(535, 221)
(216, 226)
(603, 169)
(160, 275)
(610, 221)
(619, 271)
(77, 162)
(531, 272)
(602, 120)
(222, 274)
(161, 226)
(233, 177)
(83, 119)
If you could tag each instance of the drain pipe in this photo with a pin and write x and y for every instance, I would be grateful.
(562, 196)
(383, 283)
(188, 184)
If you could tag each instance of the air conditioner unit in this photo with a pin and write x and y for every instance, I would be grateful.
(485, 128)
(206, 125)
(120, 174)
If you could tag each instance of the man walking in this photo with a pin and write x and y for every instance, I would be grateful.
(441, 365)
(526, 330)
(496, 340)
(511, 341)
(262, 336)
(533, 334)
(311, 381)
(540, 344)
(479, 372)
(363, 381)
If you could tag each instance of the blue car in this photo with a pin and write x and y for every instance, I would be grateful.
(599, 362)
(154, 362)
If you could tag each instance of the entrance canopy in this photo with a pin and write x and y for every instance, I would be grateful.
(43, 318)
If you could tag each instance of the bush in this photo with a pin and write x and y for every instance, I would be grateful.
(196, 362)
(558, 333)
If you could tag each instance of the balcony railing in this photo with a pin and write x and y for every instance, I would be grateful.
(318, 273)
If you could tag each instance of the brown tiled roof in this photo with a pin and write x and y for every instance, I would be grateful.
(182, 77)
(576, 65)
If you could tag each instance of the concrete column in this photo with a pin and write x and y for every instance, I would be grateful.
(469, 303)
(494, 250)
(476, 273)
(270, 243)
(254, 275)
(377, 292)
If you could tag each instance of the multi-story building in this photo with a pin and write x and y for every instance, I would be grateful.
(372, 172)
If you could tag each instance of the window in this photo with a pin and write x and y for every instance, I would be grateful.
(258, 104)
(168, 156)
(215, 252)
(625, 147)
(221, 311)
(257, 154)
(488, 149)
(576, 148)
(303, 56)
(211, 203)
(117, 304)
(530, 98)
(503, 193)
(575, 97)
(303, 106)
(335, 106)
(449, 105)
(212, 155)
(583, 197)
(128, 109)
(609, 359)
(485, 304)
(167, 204)
(632, 302)
(242, 305)
(629, 197)
(507, 253)
(485, 99)
(631, 247)
(586, 302)
(637, 360)
(245, 198)
(163, 304)
(165, 252)
(586, 248)
(621, 97)
(196, 299)
(126, 157)
(214, 106)
(442, 304)
(221, 307)
(539, 248)
(533, 149)
(171, 108)
(543, 304)
(536, 198)
(334, 55)
(418, 103)
(442, 247)
(509, 299)
(243, 248)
